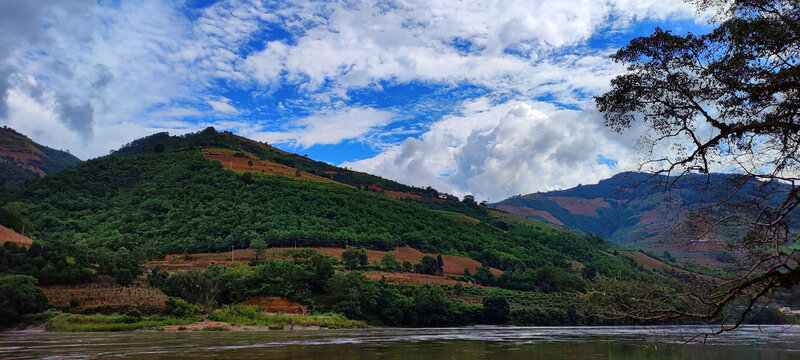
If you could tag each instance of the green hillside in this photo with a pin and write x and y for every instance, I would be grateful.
(21, 159)
(644, 211)
(109, 215)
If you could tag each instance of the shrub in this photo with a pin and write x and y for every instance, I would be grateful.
(495, 309)
(179, 308)
(19, 296)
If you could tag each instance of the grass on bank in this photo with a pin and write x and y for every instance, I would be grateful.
(250, 316)
(115, 322)
(234, 315)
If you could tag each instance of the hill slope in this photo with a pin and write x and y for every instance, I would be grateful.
(21, 158)
(634, 209)
(176, 195)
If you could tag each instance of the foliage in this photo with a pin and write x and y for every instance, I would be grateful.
(353, 294)
(389, 262)
(428, 266)
(495, 309)
(115, 322)
(251, 316)
(179, 308)
(729, 99)
(354, 258)
(20, 296)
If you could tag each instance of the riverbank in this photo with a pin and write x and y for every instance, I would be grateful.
(238, 318)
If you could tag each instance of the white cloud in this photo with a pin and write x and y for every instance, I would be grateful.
(90, 77)
(329, 127)
(498, 150)
(222, 105)
(516, 45)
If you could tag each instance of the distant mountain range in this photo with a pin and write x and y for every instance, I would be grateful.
(21, 158)
(637, 209)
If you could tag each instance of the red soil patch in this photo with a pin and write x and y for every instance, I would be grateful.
(650, 264)
(275, 304)
(400, 195)
(453, 265)
(106, 292)
(461, 217)
(650, 217)
(528, 212)
(578, 206)
(413, 279)
(8, 235)
(575, 265)
(240, 165)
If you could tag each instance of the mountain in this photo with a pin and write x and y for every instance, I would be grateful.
(21, 158)
(221, 220)
(640, 210)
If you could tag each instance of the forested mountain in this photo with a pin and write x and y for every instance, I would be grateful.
(21, 159)
(641, 210)
(213, 192)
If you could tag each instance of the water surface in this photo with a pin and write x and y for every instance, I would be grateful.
(766, 342)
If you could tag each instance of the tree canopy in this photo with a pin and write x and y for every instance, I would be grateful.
(728, 100)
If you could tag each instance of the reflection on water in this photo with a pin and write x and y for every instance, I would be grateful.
(772, 342)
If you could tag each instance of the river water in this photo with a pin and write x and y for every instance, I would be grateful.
(766, 342)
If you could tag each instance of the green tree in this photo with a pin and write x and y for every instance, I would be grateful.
(589, 272)
(20, 296)
(389, 262)
(407, 266)
(495, 309)
(428, 265)
(351, 257)
(353, 294)
(258, 244)
(124, 277)
(483, 276)
(322, 271)
(439, 265)
(730, 100)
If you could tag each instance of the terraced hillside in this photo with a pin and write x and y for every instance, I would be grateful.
(636, 209)
(21, 158)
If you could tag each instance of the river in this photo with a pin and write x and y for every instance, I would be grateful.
(766, 342)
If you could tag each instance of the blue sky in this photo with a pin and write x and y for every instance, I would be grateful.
(481, 97)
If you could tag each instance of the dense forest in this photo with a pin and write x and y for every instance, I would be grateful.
(159, 196)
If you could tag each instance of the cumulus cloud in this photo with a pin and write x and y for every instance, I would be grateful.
(329, 127)
(497, 150)
(222, 105)
(510, 45)
(90, 76)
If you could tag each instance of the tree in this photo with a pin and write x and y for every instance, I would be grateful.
(352, 257)
(250, 162)
(247, 178)
(483, 276)
(353, 294)
(407, 267)
(389, 262)
(322, 271)
(727, 100)
(428, 265)
(158, 148)
(20, 296)
(124, 277)
(495, 309)
(259, 246)
(589, 272)
(439, 265)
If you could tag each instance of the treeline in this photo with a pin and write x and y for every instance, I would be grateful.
(182, 202)
(209, 137)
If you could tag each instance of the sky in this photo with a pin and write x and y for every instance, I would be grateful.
(490, 98)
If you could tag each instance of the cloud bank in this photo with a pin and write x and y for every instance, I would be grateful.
(484, 97)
